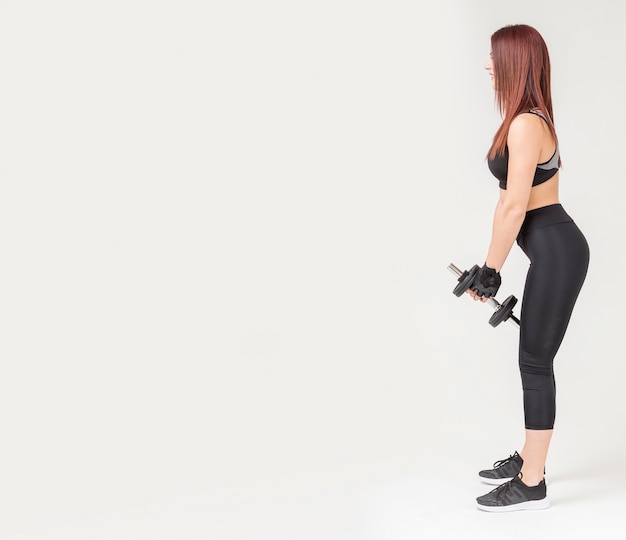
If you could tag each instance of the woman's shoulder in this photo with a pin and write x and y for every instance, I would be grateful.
(527, 125)
(526, 134)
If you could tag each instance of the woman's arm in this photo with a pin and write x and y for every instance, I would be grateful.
(524, 141)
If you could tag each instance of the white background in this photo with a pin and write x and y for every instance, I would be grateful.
(225, 309)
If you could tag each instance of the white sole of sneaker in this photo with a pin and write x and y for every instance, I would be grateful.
(493, 481)
(541, 504)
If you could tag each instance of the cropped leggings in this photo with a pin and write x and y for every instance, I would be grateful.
(559, 257)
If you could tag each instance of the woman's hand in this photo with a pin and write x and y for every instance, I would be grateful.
(487, 282)
(475, 296)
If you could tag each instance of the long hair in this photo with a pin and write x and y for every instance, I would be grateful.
(521, 66)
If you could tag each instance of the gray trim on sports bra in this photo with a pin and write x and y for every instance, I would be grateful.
(553, 162)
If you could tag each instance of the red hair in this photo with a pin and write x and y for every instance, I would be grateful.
(521, 66)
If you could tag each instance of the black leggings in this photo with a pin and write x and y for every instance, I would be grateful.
(559, 256)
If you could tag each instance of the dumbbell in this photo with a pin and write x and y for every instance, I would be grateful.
(503, 311)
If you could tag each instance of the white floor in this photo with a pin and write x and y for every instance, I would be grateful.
(366, 501)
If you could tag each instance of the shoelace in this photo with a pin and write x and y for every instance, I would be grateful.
(503, 461)
(503, 488)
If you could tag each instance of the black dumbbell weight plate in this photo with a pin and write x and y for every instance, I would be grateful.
(503, 312)
(466, 279)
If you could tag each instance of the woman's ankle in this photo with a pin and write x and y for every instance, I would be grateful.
(531, 478)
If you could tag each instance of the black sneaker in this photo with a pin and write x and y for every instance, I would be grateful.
(503, 470)
(515, 495)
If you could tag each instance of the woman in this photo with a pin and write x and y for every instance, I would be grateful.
(524, 157)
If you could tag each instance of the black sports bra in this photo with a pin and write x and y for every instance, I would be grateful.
(500, 165)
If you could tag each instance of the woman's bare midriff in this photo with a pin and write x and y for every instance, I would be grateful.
(543, 194)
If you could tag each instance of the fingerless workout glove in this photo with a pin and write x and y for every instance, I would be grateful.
(487, 282)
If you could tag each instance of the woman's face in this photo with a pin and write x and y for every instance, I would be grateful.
(489, 68)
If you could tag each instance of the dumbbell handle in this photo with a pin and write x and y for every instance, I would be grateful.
(491, 301)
